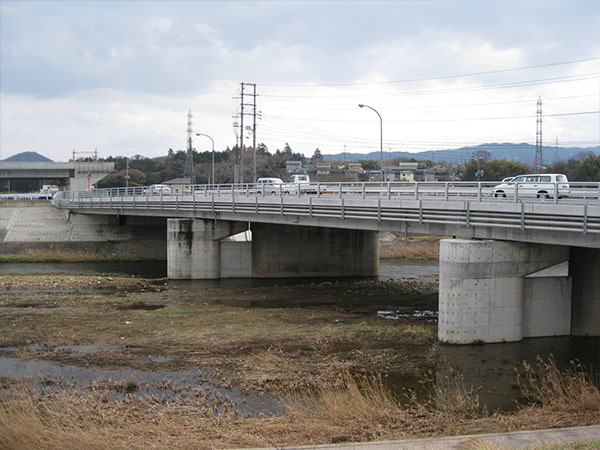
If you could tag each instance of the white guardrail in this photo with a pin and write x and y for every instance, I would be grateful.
(576, 209)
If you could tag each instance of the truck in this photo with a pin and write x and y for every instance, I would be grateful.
(300, 182)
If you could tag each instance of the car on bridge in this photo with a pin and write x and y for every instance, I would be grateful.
(157, 189)
(543, 185)
(270, 185)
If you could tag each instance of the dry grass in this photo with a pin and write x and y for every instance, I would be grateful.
(544, 384)
(347, 410)
(413, 247)
(58, 255)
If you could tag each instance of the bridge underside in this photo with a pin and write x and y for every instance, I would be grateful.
(499, 291)
(196, 250)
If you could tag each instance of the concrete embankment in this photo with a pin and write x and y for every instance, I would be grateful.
(28, 226)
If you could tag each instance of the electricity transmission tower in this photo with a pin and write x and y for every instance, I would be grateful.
(539, 161)
(188, 168)
(247, 90)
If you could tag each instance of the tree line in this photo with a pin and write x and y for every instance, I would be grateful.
(584, 167)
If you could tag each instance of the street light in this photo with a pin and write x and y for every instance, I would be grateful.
(213, 155)
(380, 137)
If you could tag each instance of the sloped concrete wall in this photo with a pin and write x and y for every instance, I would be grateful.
(31, 225)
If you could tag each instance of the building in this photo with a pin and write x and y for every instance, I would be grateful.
(179, 185)
(323, 169)
(293, 166)
(355, 167)
(404, 171)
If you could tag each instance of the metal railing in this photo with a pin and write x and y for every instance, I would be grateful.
(462, 203)
(455, 190)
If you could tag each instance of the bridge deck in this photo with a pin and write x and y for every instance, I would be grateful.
(428, 208)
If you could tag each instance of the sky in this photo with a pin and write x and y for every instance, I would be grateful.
(119, 77)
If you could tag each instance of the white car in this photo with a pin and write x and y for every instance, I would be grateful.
(540, 185)
(269, 185)
(157, 189)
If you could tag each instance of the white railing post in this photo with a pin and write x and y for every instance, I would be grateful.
(555, 193)
(416, 190)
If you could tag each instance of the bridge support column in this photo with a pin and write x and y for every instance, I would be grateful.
(486, 295)
(194, 247)
(297, 251)
(585, 270)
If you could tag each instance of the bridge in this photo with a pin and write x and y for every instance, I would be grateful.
(516, 267)
(75, 175)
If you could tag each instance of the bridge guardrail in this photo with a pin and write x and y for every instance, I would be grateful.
(452, 190)
(467, 204)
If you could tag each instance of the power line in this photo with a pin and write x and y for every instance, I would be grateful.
(459, 119)
(442, 77)
(508, 85)
(458, 105)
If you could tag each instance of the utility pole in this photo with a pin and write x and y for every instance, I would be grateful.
(241, 149)
(126, 172)
(253, 132)
(246, 109)
(539, 162)
(188, 168)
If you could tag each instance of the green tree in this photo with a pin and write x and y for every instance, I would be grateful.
(493, 170)
(317, 156)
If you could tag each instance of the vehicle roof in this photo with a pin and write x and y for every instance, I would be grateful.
(537, 174)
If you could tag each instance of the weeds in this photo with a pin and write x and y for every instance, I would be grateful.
(350, 408)
(544, 384)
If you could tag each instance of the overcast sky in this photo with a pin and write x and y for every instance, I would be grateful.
(120, 76)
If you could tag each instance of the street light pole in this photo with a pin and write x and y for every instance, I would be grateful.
(213, 155)
(380, 138)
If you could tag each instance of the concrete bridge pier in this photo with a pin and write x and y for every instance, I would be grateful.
(194, 247)
(584, 267)
(196, 250)
(294, 251)
(498, 291)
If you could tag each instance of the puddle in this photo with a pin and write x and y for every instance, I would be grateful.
(141, 306)
(169, 385)
(409, 313)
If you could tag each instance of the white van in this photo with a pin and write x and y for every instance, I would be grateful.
(269, 185)
(540, 185)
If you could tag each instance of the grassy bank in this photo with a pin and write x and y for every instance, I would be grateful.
(70, 256)
(349, 409)
(395, 245)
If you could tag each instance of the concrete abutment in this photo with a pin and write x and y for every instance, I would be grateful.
(501, 291)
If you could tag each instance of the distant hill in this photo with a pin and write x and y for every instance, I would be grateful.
(27, 157)
(524, 153)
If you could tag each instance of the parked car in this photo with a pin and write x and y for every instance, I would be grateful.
(534, 185)
(157, 189)
(269, 185)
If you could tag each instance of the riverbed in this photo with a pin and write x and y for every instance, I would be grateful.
(243, 339)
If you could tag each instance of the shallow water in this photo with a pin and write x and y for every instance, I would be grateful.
(166, 384)
(388, 268)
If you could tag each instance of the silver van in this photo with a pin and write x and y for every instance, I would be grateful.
(540, 185)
